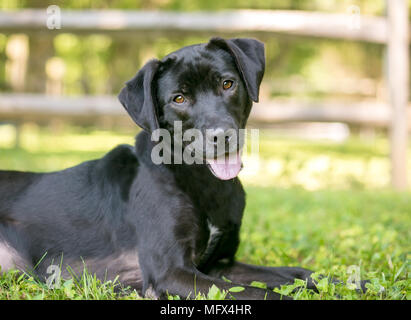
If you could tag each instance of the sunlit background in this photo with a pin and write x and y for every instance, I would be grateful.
(299, 70)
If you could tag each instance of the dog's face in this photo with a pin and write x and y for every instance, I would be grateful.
(208, 88)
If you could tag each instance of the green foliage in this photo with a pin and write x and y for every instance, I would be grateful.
(258, 284)
(236, 289)
(367, 6)
(16, 286)
(216, 294)
(298, 67)
(329, 231)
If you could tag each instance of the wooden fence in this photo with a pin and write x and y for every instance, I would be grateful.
(19, 107)
(392, 31)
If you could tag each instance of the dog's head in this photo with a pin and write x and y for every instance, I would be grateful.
(206, 88)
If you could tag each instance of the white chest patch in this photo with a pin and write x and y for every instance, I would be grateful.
(214, 234)
(213, 240)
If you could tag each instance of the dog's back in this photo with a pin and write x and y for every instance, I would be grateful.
(76, 210)
(12, 184)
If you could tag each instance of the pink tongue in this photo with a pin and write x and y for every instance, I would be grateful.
(226, 168)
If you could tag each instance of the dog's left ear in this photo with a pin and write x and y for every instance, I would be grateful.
(137, 97)
(249, 58)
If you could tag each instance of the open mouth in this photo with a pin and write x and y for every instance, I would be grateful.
(227, 166)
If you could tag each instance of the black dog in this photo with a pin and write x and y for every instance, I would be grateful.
(168, 227)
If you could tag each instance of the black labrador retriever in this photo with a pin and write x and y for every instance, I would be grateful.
(161, 227)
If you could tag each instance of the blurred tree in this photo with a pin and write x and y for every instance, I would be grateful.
(41, 49)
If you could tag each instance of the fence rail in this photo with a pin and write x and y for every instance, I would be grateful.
(313, 24)
(38, 107)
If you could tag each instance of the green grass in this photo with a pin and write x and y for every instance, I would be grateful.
(320, 205)
(329, 231)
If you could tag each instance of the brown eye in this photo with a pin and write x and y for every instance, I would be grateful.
(227, 84)
(179, 99)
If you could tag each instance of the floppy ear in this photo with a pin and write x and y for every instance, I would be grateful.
(137, 97)
(249, 58)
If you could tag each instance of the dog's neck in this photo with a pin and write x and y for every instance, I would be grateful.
(194, 180)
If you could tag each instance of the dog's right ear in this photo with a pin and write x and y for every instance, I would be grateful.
(249, 57)
(137, 97)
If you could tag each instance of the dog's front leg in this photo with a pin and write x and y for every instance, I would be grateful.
(274, 277)
(189, 282)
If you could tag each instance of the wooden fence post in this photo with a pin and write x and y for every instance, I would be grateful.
(398, 82)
